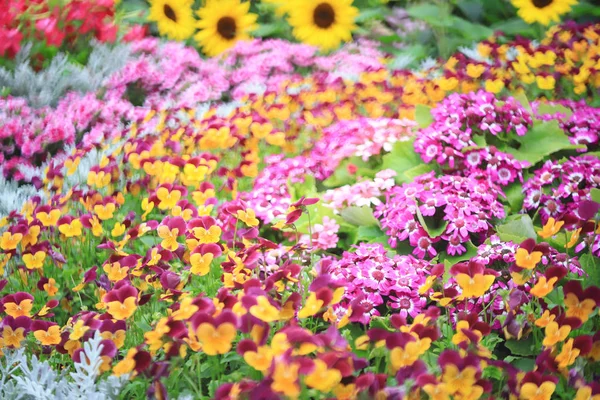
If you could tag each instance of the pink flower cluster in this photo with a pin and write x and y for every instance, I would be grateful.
(365, 193)
(166, 76)
(268, 64)
(558, 188)
(436, 214)
(582, 126)
(270, 196)
(459, 120)
(169, 75)
(363, 138)
(373, 279)
(324, 235)
(29, 137)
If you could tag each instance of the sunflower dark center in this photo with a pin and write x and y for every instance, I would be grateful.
(542, 3)
(227, 27)
(324, 15)
(170, 13)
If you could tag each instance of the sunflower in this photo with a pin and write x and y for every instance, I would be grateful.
(174, 18)
(222, 23)
(323, 23)
(542, 11)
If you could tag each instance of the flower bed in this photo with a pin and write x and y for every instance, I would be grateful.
(321, 226)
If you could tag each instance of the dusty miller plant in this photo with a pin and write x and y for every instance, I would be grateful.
(46, 87)
(23, 378)
(13, 196)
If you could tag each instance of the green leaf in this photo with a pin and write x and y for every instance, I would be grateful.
(479, 140)
(380, 322)
(522, 98)
(471, 252)
(412, 173)
(545, 108)
(555, 297)
(544, 139)
(405, 161)
(307, 188)
(524, 364)
(473, 9)
(265, 30)
(371, 234)
(493, 372)
(369, 14)
(423, 115)
(432, 227)
(359, 216)
(583, 9)
(595, 193)
(514, 26)
(514, 196)
(341, 176)
(434, 15)
(471, 31)
(521, 347)
(517, 230)
(591, 265)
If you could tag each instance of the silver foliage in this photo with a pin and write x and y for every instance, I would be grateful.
(23, 378)
(46, 87)
(13, 196)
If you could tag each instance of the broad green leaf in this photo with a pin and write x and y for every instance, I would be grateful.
(555, 297)
(517, 230)
(524, 364)
(544, 139)
(493, 372)
(381, 322)
(595, 193)
(359, 216)
(514, 196)
(434, 15)
(423, 115)
(341, 176)
(545, 108)
(583, 9)
(473, 9)
(265, 30)
(471, 31)
(522, 98)
(471, 252)
(371, 234)
(432, 227)
(523, 347)
(591, 265)
(307, 188)
(405, 161)
(479, 140)
(369, 14)
(418, 170)
(514, 26)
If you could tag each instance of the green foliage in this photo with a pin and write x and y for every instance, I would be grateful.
(595, 193)
(423, 115)
(359, 216)
(405, 161)
(591, 265)
(517, 230)
(523, 347)
(544, 139)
